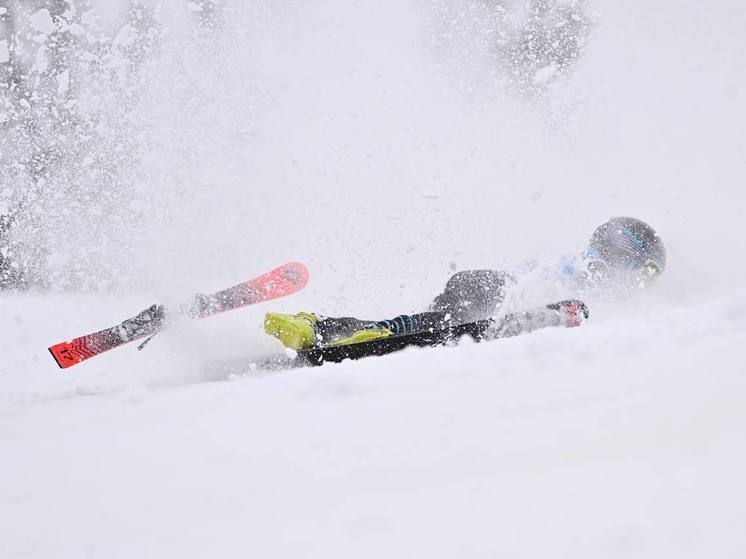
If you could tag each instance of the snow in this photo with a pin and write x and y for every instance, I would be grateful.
(63, 82)
(42, 22)
(378, 144)
(4, 54)
(545, 74)
(42, 60)
(125, 37)
(623, 438)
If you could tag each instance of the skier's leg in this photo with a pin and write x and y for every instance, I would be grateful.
(342, 327)
(303, 330)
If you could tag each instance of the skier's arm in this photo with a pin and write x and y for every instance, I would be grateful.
(570, 313)
(472, 295)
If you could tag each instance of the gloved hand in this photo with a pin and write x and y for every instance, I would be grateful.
(572, 312)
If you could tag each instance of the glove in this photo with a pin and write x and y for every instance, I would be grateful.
(571, 313)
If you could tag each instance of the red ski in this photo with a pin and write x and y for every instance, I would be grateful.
(285, 280)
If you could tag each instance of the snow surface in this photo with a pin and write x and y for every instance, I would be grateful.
(42, 22)
(4, 54)
(622, 438)
(387, 136)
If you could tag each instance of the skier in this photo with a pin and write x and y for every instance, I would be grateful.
(623, 254)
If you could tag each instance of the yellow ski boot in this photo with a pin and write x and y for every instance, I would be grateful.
(296, 331)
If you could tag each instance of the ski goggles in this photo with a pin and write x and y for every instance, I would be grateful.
(633, 273)
(648, 273)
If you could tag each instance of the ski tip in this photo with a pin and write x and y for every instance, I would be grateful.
(64, 355)
(288, 278)
(296, 273)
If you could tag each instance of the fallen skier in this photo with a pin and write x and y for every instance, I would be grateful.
(623, 254)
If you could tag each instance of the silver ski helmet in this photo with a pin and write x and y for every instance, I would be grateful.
(628, 249)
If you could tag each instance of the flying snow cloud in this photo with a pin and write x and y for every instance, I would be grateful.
(171, 144)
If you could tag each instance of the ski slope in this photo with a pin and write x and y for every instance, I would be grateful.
(623, 438)
(377, 143)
